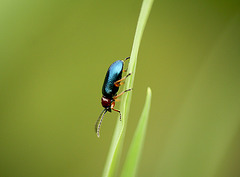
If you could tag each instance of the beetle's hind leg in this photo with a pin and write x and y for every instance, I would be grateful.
(118, 82)
(126, 58)
(125, 70)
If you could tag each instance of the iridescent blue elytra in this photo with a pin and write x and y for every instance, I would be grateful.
(114, 74)
(112, 82)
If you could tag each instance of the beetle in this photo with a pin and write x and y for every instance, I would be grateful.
(113, 80)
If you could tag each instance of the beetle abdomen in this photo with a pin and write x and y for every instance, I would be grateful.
(114, 73)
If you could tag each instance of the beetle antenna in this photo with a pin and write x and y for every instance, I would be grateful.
(96, 124)
(99, 122)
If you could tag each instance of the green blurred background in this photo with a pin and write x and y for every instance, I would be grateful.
(53, 59)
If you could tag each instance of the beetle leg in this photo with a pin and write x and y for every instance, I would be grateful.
(125, 70)
(118, 112)
(117, 83)
(126, 58)
(112, 107)
(121, 93)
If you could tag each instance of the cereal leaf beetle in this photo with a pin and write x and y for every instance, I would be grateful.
(113, 80)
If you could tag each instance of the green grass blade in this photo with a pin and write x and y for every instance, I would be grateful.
(118, 137)
(131, 162)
